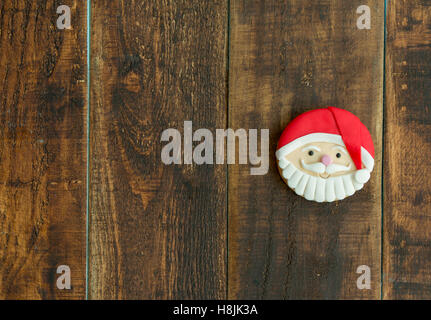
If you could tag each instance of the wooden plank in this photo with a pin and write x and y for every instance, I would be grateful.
(407, 172)
(287, 57)
(156, 230)
(42, 154)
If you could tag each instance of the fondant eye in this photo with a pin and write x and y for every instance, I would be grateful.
(310, 153)
(338, 155)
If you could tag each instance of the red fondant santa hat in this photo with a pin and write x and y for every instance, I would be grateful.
(330, 125)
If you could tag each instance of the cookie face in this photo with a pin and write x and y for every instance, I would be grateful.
(325, 155)
(322, 159)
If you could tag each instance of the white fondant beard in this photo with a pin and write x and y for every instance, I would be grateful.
(316, 188)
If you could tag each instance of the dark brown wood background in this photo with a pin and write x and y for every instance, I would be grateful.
(42, 153)
(208, 231)
(407, 171)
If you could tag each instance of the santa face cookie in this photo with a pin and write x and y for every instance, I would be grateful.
(325, 154)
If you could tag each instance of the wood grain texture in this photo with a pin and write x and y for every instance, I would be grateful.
(288, 57)
(407, 171)
(156, 231)
(42, 153)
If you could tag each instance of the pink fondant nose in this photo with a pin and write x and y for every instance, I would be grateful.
(326, 160)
